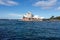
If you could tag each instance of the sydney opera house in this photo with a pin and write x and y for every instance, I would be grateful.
(30, 17)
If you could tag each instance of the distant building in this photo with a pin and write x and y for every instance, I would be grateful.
(30, 17)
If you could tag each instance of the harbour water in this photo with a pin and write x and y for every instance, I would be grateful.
(33, 30)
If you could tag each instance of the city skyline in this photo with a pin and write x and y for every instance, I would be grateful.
(15, 9)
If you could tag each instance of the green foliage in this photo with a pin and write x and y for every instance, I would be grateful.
(55, 18)
(52, 17)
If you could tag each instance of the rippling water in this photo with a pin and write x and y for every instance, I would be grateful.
(21, 30)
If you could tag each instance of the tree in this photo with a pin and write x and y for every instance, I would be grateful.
(52, 17)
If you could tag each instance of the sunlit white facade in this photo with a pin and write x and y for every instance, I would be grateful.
(30, 17)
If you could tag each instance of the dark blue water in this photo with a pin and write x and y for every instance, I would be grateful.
(20, 30)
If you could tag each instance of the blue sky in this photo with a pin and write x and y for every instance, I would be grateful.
(15, 9)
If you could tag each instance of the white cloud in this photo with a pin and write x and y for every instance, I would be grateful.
(14, 16)
(58, 8)
(8, 2)
(37, 16)
(46, 4)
